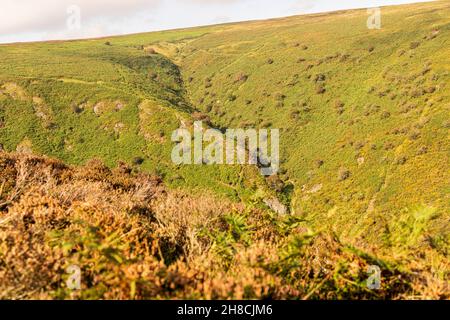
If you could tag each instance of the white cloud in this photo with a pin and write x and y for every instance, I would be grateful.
(25, 20)
(49, 17)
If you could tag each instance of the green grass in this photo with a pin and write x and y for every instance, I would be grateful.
(387, 107)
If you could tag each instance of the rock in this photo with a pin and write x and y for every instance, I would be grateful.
(316, 188)
(118, 127)
(361, 161)
(25, 147)
(150, 50)
(97, 108)
(276, 205)
(119, 106)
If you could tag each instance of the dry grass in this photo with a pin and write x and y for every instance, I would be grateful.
(135, 239)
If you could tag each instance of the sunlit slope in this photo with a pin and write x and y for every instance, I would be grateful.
(363, 113)
(98, 99)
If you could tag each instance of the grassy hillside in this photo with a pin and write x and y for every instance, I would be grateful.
(382, 117)
(92, 99)
(363, 116)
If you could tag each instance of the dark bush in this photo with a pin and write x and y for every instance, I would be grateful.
(241, 77)
(295, 115)
(319, 77)
(422, 150)
(338, 104)
(343, 174)
(279, 96)
(275, 183)
(77, 109)
(385, 115)
(414, 45)
(199, 116)
(320, 89)
(318, 163)
(401, 160)
(414, 135)
(416, 93)
(430, 89)
(137, 161)
(232, 97)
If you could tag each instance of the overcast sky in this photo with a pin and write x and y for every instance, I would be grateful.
(34, 20)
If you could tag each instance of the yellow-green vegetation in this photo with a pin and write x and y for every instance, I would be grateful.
(132, 238)
(364, 172)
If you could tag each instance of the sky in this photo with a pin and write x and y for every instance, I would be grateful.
(37, 20)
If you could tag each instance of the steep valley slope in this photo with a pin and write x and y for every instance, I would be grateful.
(364, 144)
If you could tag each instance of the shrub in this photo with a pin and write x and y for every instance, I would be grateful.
(270, 61)
(408, 107)
(199, 116)
(319, 77)
(320, 89)
(414, 45)
(153, 75)
(416, 93)
(209, 108)
(422, 150)
(371, 109)
(343, 174)
(431, 89)
(359, 145)
(232, 97)
(414, 135)
(241, 77)
(275, 183)
(385, 115)
(208, 83)
(137, 161)
(318, 163)
(77, 109)
(401, 160)
(338, 104)
(279, 96)
(295, 114)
